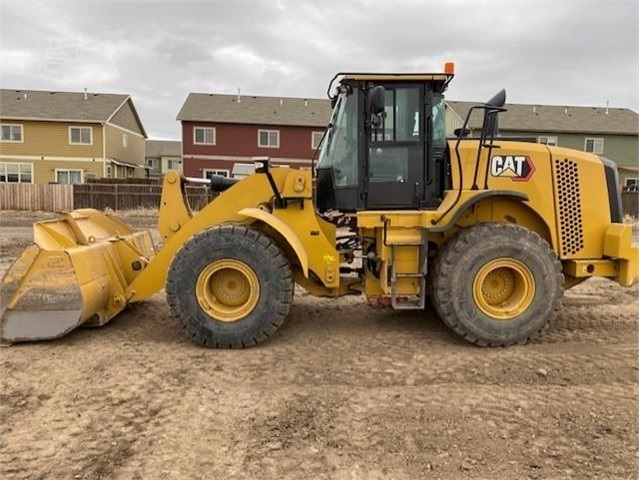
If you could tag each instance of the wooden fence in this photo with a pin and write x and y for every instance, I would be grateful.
(55, 198)
(132, 196)
(127, 181)
(35, 197)
(630, 203)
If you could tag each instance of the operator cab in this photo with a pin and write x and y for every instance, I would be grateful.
(385, 146)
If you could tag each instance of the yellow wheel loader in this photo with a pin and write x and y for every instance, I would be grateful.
(489, 230)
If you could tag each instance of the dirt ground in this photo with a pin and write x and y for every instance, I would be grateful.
(343, 391)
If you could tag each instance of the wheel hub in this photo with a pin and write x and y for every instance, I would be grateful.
(503, 288)
(228, 290)
(498, 285)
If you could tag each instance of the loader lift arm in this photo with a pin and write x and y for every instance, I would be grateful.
(238, 205)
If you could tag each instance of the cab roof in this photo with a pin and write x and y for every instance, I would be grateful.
(397, 77)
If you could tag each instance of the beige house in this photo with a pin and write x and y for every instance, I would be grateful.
(68, 137)
(163, 155)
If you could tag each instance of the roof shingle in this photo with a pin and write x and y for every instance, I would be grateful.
(162, 148)
(204, 107)
(556, 118)
(48, 105)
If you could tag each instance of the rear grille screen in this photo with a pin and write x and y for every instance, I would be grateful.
(570, 218)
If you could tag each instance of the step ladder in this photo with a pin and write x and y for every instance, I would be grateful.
(420, 304)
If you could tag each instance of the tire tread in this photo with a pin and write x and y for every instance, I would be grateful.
(446, 265)
(274, 318)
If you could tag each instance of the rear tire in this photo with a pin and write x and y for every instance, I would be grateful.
(230, 287)
(497, 284)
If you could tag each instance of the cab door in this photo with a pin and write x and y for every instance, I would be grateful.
(395, 153)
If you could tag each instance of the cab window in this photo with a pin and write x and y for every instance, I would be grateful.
(393, 142)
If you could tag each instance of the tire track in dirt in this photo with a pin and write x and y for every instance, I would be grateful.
(95, 431)
(487, 428)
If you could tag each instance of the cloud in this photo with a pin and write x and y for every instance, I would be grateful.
(561, 52)
(15, 59)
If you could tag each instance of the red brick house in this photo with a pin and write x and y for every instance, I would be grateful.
(221, 133)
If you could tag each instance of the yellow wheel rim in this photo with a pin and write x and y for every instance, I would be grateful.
(504, 288)
(228, 290)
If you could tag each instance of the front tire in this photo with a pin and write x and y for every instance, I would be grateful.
(497, 284)
(230, 287)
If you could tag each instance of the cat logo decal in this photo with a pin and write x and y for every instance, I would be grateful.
(519, 168)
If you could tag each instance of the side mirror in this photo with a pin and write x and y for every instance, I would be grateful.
(376, 100)
(461, 132)
(498, 100)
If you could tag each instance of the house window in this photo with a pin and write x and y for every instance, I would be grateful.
(108, 171)
(125, 141)
(11, 133)
(550, 141)
(81, 135)
(154, 163)
(204, 136)
(173, 164)
(68, 176)
(268, 138)
(316, 138)
(208, 172)
(16, 172)
(631, 185)
(594, 145)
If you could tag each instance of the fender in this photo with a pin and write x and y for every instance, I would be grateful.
(521, 197)
(284, 230)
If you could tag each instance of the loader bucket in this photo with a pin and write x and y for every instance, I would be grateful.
(77, 273)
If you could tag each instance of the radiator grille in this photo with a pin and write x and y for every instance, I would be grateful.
(570, 218)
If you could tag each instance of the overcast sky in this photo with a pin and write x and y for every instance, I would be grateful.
(543, 52)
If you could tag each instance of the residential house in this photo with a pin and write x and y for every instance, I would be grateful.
(68, 137)
(222, 133)
(163, 155)
(610, 132)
